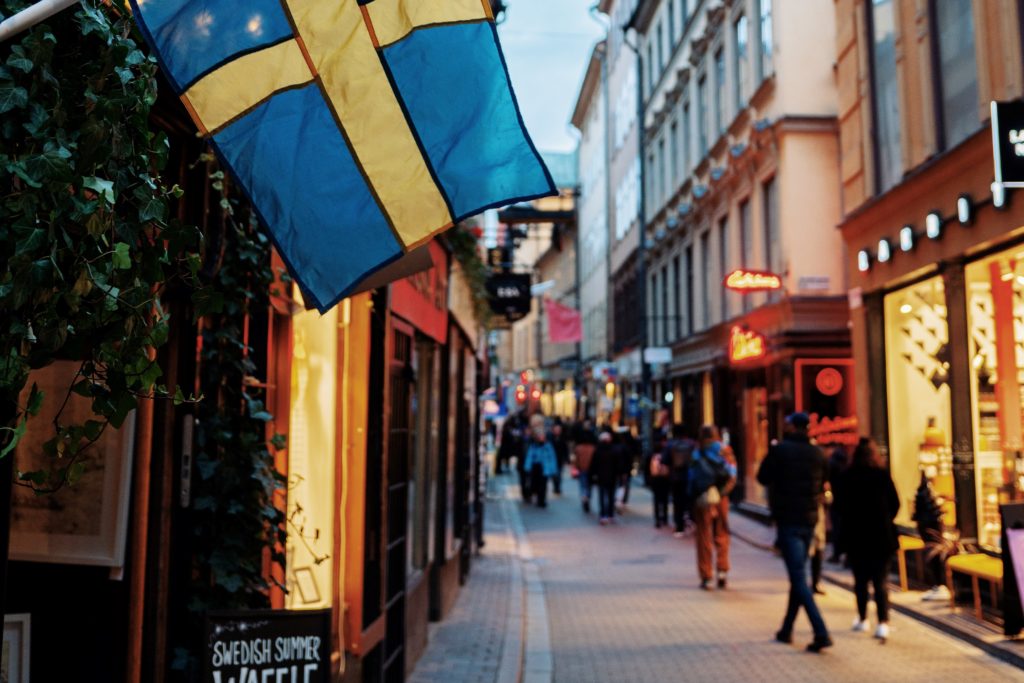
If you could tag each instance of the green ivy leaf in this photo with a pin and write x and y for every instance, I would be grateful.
(12, 96)
(121, 258)
(35, 400)
(19, 60)
(75, 472)
(18, 432)
(104, 188)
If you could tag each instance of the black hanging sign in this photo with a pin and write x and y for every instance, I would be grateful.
(1008, 142)
(256, 646)
(509, 294)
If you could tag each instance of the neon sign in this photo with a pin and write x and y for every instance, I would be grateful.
(745, 345)
(752, 281)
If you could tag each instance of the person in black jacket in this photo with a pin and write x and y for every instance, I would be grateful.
(794, 472)
(606, 471)
(869, 505)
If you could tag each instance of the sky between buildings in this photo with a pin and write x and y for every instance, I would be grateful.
(547, 45)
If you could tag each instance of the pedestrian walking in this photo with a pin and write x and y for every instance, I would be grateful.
(606, 472)
(658, 473)
(711, 477)
(561, 446)
(818, 544)
(870, 503)
(511, 444)
(540, 462)
(838, 461)
(583, 455)
(678, 453)
(630, 449)
(794, 472)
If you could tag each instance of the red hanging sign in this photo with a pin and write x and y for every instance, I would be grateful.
(746, 345)
(752, 281)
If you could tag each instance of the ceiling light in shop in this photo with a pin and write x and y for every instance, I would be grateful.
(907, 238)
(933, 225)
(906, 308)
(964, 209)
(669, 397)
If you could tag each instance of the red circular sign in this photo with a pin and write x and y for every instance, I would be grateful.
(829, 381)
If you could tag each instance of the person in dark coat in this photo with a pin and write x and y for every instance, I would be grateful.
(869, 506)
(606, 471)
(838, 462)
(511, 442)
(794, 471)
(561, 446)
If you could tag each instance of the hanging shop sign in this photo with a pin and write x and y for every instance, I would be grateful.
(254, 646)
(1008, 143)
(509, 294)
(746, 345)
(825, 391)
(752, 281)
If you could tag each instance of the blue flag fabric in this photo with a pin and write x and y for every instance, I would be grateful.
(357, 129)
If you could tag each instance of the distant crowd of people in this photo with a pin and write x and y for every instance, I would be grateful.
(695, 472)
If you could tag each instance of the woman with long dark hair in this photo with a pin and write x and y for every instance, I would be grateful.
(869, 505)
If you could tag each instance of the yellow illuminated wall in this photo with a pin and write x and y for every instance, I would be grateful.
(917, 372)
(311, 456)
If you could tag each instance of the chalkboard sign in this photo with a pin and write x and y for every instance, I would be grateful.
(1012, 515)
(255, 646)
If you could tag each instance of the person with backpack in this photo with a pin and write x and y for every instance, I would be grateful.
(677, 454)
(712, 475)
(795, 471)
(583, 455)
(541, 463)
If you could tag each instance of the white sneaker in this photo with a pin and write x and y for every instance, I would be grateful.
(937, 593)
(882, 632)
(860, 625)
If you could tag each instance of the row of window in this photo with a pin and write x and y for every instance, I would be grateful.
(955, 82)
(682, 144)
(693, 275)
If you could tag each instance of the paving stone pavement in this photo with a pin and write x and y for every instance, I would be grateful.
(467, 646)
(624, 605)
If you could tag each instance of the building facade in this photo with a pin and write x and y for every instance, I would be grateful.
(590, 119)
(622, 375)
(935, 251)
(740, 152)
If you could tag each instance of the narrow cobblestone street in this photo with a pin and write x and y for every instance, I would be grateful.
(622, 603)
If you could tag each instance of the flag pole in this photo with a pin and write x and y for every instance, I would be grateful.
(32, 15)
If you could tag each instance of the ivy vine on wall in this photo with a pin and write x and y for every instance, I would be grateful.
(86, 243)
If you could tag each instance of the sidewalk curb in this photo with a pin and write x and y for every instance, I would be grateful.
(536, 664)
(510, 669)
(840, 581)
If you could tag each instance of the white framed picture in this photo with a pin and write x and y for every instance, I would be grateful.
(85, 523)
(14, 662)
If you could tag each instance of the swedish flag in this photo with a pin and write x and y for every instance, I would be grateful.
(358, 128)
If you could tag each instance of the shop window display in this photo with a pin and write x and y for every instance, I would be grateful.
(995, 310)
(917, 373)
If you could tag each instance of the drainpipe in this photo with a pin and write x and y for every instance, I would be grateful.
(646, 416)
